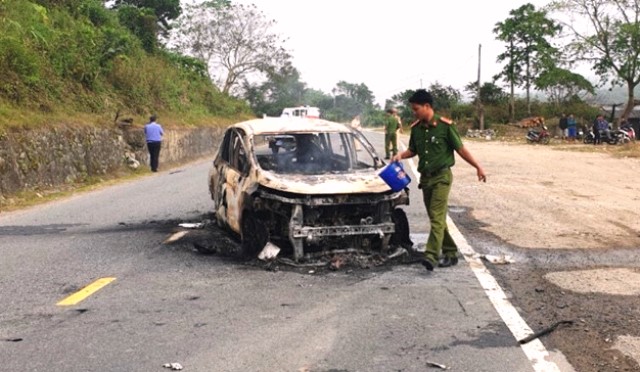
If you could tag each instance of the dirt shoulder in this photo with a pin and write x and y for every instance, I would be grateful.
(569, 215)
(562, 196)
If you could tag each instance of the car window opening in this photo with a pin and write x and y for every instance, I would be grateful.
(311, 153)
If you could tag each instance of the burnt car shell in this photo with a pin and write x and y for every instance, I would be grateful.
(307, 183)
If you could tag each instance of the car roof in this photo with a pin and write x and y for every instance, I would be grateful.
(282, 125)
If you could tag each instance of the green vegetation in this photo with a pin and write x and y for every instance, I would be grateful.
(75, 61)
(610, 43)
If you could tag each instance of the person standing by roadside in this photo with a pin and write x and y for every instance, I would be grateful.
(153, 133)
(600, 127)
(397, 116)
(434, 139)
(563, 126)
(572, 127)
(391, 127)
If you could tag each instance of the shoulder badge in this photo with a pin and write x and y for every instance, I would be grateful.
(446, 120)
(415, 123)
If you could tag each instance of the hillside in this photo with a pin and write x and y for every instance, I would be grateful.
(75, 61)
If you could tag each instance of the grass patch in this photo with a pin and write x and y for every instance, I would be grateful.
(629, 150)
(30, 198)
(80, 64)
(15, 118)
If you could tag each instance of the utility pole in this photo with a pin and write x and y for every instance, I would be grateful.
(478, 100)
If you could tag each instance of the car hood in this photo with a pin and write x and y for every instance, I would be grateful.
(353, 183)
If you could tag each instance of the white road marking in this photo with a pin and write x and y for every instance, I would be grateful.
(534, 350)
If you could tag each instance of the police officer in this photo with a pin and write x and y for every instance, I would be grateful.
(391, 127)
(434, 138)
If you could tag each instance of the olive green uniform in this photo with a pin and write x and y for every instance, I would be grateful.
(391, 126)
(434, 143)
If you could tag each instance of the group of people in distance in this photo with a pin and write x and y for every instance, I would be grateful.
(569, 127)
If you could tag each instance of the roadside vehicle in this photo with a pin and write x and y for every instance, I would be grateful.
(305, 184)
(301, 111)
(542, 136)
(611, 139)
(626, 134)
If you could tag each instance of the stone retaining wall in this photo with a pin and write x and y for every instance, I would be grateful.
(46, 158)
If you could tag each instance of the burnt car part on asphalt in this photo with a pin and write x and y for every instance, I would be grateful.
(544, 331)
(308, 185)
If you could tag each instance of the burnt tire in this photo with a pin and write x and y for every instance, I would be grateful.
(255, 235)
(401, 237)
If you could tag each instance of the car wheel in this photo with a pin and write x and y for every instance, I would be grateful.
(255, 234)
(401, 236)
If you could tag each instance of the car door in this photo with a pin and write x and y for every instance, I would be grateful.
(236, 169)
(230, 168)
(218, 183)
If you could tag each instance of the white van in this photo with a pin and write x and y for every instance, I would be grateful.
(301, 111)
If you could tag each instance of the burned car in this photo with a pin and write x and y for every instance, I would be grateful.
(306, 184)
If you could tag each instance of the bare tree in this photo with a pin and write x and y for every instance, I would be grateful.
(610, 41)
(234, 40)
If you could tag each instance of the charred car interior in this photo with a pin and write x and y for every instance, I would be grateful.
(306, 185)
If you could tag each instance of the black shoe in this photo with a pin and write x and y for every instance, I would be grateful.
(386, 158)
(447, 261)
(427, 264)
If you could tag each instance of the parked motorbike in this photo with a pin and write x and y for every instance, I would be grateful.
(543, 136)
(626, 134)
(612, 139)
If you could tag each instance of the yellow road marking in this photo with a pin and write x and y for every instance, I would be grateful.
(85, 292)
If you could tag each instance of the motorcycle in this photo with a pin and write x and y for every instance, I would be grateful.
(612, 139)
(626, 134)
(541, 136)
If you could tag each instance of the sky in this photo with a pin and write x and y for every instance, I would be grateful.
(390, 46)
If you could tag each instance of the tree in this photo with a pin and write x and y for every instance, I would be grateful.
(490, 93)
(282, 88)
(401, 102)
(234, 40)
(444, 98)
(349, 100)
(360, 93)
(562, 85)
(610, 43)
(142, 23)
(319, 99)
(164, 10)
(528, 50)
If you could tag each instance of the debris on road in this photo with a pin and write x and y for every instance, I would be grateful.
(175, 237)
(437, 365)
(498, 260)
(310, 256)
(399, 252)
(173, 366)
(192, 225)
(269, 252)
(337, 262)
(12, 339)
(501, 259)
(338, 259)
(290, 262)
(544, 331)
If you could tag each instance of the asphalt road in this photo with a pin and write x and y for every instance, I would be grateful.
(169, 303)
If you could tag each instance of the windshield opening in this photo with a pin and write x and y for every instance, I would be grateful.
(312, 153)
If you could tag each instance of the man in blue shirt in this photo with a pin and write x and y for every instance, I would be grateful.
(153, 133)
